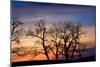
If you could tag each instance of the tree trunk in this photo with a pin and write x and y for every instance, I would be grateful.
(45, 49)
(72, 57)
(56, 57)
(80, 55)
(56, 52)
(65, 51)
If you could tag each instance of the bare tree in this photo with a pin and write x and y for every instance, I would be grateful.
(40, 32)
(64, 34)
(56, 47)
(76, 33)
(15, 31)
(69, 32)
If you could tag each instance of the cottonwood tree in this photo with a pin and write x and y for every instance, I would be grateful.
(15, 31)
(70, 33)
(76, 32)
(56, 47)
(40, 32)
(64, 34)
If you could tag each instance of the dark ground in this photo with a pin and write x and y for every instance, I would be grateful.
(25, 63)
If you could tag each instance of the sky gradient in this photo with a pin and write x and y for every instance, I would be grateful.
(30, 11)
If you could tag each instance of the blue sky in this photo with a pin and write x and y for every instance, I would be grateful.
(31, 10)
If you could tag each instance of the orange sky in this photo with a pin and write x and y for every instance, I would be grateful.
(88, 38)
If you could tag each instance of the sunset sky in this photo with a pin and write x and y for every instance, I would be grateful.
(30, 12)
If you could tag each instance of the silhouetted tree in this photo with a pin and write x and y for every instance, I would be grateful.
(64, 34)
(15, 31)
(76, 33)
(56, 47)
(69, 32)
(40, 32)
